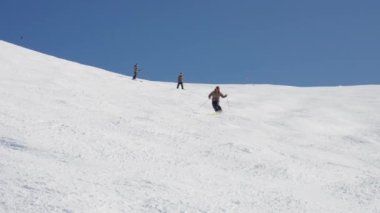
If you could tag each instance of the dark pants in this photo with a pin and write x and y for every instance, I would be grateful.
(134, 75)
(180, 83)
(216, 106)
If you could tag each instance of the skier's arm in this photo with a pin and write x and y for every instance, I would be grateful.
(209, 96)
(223, 96)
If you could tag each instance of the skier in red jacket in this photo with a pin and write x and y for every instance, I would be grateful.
(215, 95)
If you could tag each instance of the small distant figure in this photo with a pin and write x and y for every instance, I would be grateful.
(215, 95)
(180, 80)
(136, 69)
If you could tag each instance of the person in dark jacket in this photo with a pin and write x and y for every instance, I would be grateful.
(135, 71)
(180, 80)
(215, 95)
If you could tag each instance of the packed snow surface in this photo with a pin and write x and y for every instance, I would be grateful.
(74, 138)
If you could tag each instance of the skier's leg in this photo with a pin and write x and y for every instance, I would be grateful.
(215, 105)
(182, 85)
(177, 85)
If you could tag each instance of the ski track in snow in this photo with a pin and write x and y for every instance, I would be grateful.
(74, 138)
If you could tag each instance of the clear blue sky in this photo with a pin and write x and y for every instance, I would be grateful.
(292, 42)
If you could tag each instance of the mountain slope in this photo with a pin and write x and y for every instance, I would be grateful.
(75, 138)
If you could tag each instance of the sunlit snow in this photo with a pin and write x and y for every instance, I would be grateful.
(75, 138)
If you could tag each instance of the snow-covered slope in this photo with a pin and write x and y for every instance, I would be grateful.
(74, 138)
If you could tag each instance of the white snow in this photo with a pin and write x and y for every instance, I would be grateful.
(74, 138)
